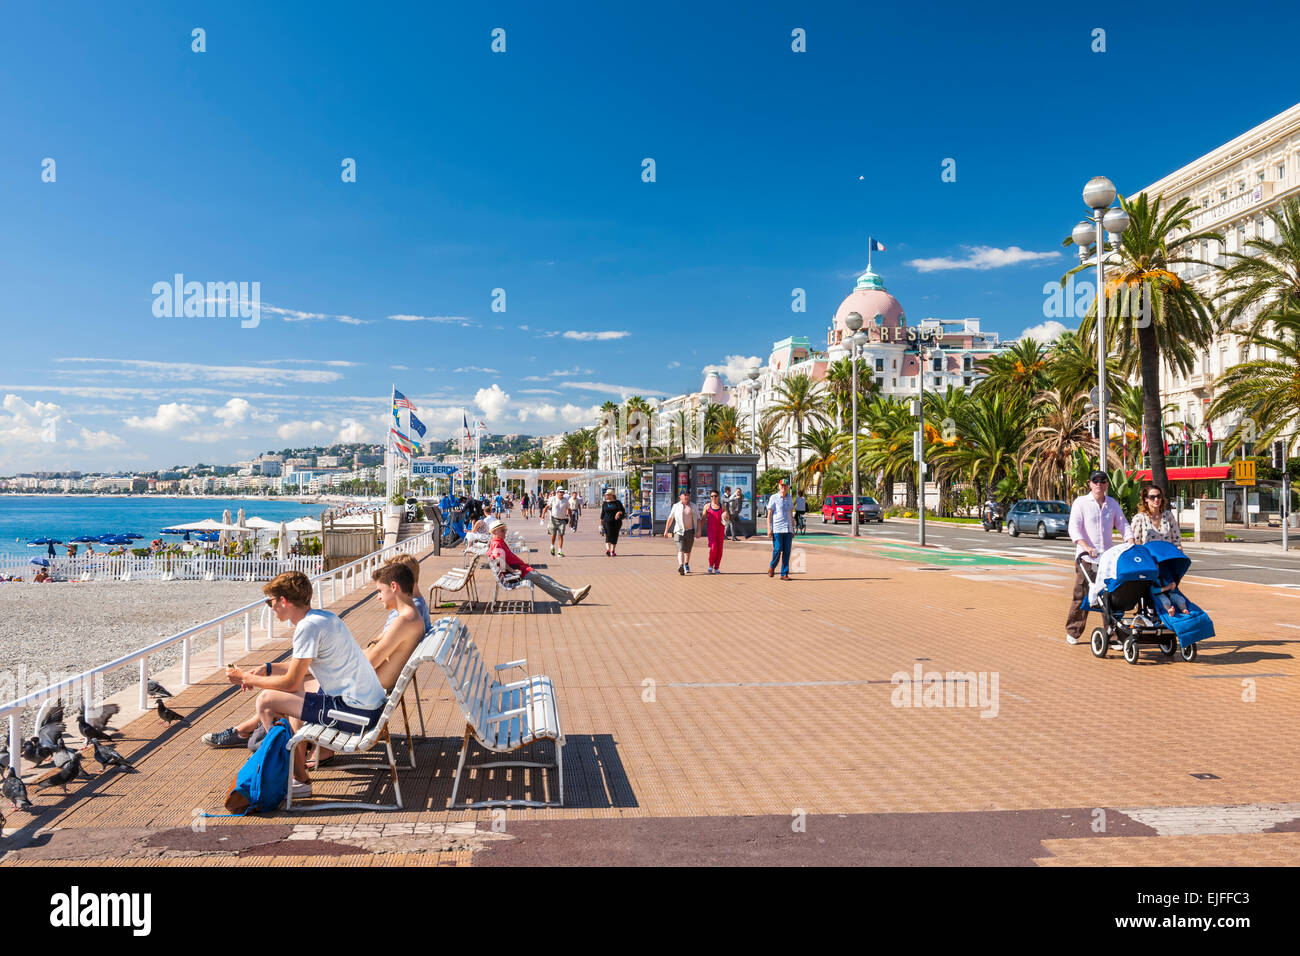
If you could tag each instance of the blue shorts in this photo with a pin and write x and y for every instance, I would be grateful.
(316, 709)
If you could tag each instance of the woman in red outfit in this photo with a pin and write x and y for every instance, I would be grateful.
(714, 518)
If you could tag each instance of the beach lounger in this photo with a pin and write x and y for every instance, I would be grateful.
(501, 717)
(458, 579)
(343, 742)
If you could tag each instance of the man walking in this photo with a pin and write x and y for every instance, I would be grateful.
(734, 505)
(557, 506)
(780, 515)
(1093, 519)
(681, 524)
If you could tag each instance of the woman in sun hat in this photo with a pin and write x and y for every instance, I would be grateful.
(611, 521)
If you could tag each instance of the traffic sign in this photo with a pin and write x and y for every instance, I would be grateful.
(1094, 395)
(1243, 472)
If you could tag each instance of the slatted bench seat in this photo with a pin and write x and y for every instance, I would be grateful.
(507, 579)
(501, 717)
(346, 742)
(458, 579)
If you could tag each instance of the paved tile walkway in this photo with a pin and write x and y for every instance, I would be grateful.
(736, 695)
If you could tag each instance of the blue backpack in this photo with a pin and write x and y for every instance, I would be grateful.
(263, 780)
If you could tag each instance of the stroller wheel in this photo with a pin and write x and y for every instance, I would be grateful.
(1131, 651)
(1168, 647)
(1188, 653)
(1100, 642)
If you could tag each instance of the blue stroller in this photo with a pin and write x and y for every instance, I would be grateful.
(1133, 615)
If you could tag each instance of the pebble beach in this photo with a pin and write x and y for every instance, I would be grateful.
(59, 630)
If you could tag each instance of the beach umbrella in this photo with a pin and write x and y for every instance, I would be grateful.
(282, 549)
(83, 539)
(133, 536)
(45, 541)
(173, 531)
(43, 562)
(303, 524)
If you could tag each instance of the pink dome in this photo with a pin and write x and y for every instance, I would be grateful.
(869, 299)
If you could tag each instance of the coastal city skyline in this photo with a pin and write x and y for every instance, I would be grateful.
(610, 285)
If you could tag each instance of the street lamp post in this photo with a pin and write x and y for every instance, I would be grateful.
(921, 356)
(1098, 194)
(854, 322)
(752, 375)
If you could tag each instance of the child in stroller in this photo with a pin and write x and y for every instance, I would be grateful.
(1136, 589)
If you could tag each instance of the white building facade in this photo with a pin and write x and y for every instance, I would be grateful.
(1233, 187)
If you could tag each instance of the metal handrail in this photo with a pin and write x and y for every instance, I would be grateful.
(52, 693)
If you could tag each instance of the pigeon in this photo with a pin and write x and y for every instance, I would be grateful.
(167, 715)
(15, 791)
(52, 715)
(63, 756)
(89, 732)
(103, 714)
(158, 690)
(63, 775)
(34, 752)
(108, 757)
(50, 736)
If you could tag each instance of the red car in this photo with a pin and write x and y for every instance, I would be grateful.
(837, 508)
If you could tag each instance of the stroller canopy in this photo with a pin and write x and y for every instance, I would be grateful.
(1170, 560)
(1133, 564)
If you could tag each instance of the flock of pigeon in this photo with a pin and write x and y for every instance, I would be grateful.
(48, 745)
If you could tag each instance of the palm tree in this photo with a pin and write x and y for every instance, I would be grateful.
(1072, 363)
(1265, 391)
(1021, 369)
(887, 450)
(1064, 427)
(995, 429)
(722, 429)
(945, 414)
(1267, 280)
(825, 445)
(799, 401)
(638, 404)
(839, 388)
(1174, 324)
(767, 439)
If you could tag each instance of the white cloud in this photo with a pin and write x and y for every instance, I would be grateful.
(25, 423)
(168, 418)
(538, 391)
(92, 441)
(1044, 332)
(239, 410)
(982, 257)
(735, 368)
(622, 390)
(188, 371)
(541, 412)
(399, 368)
(492, 400)
(535, 378)
(595, 336)
(476, 368)
(674, 364)
(297, 315)
(352, 431)
(301, 429)
(444, 319)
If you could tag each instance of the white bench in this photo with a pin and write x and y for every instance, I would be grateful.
(507, 579)
(501, 717)
(346, 742)
(458, 579)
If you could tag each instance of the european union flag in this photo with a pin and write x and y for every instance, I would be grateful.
(417, 426)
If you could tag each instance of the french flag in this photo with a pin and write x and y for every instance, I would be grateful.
(875, 246)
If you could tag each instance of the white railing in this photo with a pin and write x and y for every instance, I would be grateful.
(165, 567)
(340, 582)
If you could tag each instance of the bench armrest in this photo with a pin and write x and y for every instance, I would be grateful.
(519, 663)
(507, 715)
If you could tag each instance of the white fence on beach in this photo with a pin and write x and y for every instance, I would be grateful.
(163, 567)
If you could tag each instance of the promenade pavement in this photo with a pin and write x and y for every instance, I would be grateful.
(740, 719)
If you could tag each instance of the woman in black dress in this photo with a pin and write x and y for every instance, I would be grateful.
(611, 519)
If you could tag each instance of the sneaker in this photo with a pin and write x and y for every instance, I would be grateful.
(552, 549)
(300, 790)
(1071, 639)
(230, 737)
(561, 552)
(680, 569)
(688, 568)
(581, 593)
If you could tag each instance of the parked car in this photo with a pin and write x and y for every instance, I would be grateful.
(837, 508)
(1048, 519)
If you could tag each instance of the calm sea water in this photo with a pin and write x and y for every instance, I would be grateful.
(56, 516)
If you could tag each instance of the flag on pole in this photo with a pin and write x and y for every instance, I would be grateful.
(401, 401)
(417, 426)
(400, 442)
(875, 246)
(464, 424)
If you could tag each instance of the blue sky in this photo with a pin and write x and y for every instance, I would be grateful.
(522, 171)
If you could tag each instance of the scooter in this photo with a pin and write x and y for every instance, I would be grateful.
(991, 520)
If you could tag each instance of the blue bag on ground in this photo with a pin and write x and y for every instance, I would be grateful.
(263, 781)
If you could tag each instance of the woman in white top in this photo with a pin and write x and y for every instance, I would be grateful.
(685, 520)
(1155, 521)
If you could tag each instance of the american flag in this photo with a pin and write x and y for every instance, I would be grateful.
(401, 401)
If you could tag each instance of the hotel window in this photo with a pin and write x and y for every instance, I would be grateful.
(938, 365)
(1260, 174)
(1223, 194)
(938, 381)
(1281, 171)
(880, 382)
(1245, 353)
(967, 363)
(965, 380)
(880, 365)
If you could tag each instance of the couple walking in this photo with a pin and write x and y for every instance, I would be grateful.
(715, 520)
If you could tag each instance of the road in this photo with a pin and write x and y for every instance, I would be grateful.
(1274, 570)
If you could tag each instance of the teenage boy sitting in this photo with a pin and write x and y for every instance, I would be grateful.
(323, 647)
(417, 596)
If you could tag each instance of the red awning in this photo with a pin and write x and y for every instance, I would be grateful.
(1213, 473)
